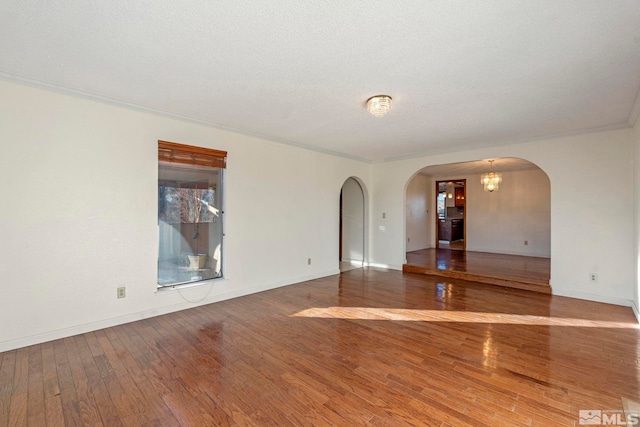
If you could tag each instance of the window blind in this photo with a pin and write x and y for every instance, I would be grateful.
(173, 152)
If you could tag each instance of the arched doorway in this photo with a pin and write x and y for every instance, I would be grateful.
(508, 226)
(352, 225)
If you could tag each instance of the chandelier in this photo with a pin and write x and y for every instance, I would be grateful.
(379, 105)
(491, 180)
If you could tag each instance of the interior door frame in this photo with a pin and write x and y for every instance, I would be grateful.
(464, 210)
(340, 235)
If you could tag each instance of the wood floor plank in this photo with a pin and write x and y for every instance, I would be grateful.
(68, 393)
(18, 410)
(49, 371)
(106, 410)
(124, 371)
(514, 271)
(368, 347)
(7, 370)
(36, 407)
(83, 384)
(149, 405)
(187, 410)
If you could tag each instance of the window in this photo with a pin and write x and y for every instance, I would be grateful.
(189, 213)
(442, 204)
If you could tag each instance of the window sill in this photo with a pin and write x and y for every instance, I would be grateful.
(168, 288)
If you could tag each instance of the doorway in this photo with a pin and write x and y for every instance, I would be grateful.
(451, 212)
(351, 250)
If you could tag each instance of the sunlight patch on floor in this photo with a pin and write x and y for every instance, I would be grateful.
(402, 314)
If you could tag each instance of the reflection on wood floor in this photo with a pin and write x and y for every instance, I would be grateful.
(365, 348)
(458, 245)
(522, 272)
(348, 266)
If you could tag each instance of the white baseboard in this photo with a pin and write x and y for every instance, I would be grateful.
(387, 266)
(593, 297)
(508, 252)
(355, 262)
(114, 321)
(634, 307)
(420, 248)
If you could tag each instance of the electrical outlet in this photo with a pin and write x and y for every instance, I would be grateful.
(593, 277)
(526, 242)
(308, 261)
(408, 239)
(122, 292)
(384, 215)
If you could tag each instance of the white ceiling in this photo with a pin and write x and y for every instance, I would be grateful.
(462, 74)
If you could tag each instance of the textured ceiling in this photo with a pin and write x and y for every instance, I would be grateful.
(462, 74)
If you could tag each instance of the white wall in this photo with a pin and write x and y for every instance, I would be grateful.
(79, 214)
(352, 221)
(585, 237)
(418, 220)
(500, 221)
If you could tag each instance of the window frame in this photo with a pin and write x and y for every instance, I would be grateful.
(182, 154)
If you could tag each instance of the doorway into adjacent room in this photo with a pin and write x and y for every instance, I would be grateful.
(352, 214)
(451, 211)
(500, 238)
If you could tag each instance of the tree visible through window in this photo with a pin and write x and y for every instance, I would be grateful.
(189, 213)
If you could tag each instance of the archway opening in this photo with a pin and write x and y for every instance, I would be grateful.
(352, 225)
(503, 228)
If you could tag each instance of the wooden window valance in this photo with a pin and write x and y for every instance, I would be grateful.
(188, 154)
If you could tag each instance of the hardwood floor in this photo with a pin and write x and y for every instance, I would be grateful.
(367, 347)
(348, 266)
(458, 245)
(520, 272)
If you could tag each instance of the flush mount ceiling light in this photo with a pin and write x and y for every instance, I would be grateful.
(491, 180)
(379, 105)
